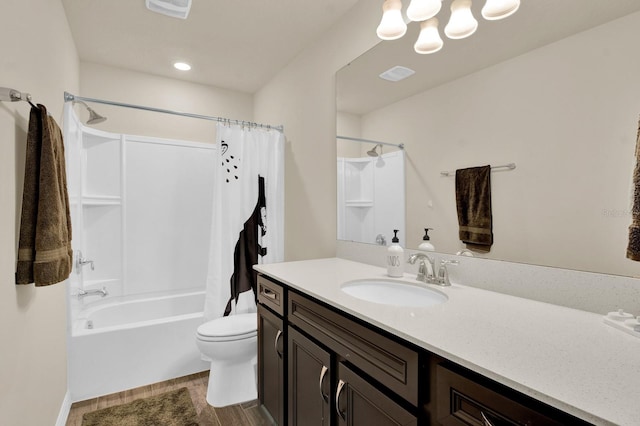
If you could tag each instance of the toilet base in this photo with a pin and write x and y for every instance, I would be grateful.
(232, 384)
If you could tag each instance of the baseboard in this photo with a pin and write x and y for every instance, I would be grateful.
(64, 410)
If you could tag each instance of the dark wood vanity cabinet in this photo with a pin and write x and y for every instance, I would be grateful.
(310, 381)
(361, 403)
(271, 350)
(321, 367)
(343, 373)
(466, 398)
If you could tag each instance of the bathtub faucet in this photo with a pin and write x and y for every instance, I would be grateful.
(82, 293)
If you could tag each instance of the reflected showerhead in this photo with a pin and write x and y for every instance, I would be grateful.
(94, 117)
(373, 152)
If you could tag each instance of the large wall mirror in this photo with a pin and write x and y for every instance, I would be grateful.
(554, 89)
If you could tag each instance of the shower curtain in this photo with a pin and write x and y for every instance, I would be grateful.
(248, 215)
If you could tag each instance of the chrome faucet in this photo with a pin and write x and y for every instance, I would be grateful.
(381, 240)
(443, 272)
(81, 261)
(82, 293)
(425, 267)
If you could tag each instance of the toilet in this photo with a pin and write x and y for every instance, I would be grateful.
(231, 344)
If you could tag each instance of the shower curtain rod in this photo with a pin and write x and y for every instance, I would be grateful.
(348, 138)
(68, 97)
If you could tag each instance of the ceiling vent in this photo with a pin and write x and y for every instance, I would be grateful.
(397, 73)
(174, 8)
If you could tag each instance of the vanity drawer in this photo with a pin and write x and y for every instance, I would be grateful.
(391, 363)
(463, 400)
(271, 294)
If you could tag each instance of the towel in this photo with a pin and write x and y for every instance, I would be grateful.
(44, 248)
(473, 201)
(633, 248)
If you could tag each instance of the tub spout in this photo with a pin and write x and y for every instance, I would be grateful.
(82, 293)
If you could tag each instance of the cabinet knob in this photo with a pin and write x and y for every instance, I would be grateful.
(342, 414)
(323, 373)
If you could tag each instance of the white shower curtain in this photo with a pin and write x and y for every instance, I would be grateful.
(244, 156)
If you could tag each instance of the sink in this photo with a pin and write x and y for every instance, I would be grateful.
(391, 292)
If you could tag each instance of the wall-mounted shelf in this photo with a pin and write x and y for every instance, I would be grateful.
(101, 200)
(96, 200)
(359, 203)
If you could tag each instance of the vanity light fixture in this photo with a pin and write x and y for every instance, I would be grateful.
(182, 66)
(392, 25)
(461, 23)
(429, 40)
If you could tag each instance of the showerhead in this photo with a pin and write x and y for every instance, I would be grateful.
(94, 117)
(373, 152)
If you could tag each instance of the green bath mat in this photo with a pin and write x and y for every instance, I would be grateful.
(173, 408)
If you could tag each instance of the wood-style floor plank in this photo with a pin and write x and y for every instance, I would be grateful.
(246, 414)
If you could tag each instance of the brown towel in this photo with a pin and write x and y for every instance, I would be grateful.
(633, 249)
(473, 201)
(44, 249)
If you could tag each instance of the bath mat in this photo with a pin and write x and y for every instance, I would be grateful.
(173, 408)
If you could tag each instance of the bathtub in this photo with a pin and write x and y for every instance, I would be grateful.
(114, 346)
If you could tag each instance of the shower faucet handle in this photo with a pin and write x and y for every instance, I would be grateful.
(81, 262)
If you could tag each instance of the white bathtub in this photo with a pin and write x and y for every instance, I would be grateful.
(133, 343)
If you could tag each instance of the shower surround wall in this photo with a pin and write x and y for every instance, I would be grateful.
(141, 210)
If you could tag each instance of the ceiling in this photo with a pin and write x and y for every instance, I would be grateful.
(537, 23)
(233, 44)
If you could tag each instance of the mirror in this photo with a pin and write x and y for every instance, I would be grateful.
(560, 100)
(371, 189)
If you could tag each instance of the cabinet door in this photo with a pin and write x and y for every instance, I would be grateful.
(271, 363)
(309, 382)
(359, 403)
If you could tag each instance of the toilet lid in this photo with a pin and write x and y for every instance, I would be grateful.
(232, 327)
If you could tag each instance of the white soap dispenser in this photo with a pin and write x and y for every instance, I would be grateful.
(426, 245)
(395, 257)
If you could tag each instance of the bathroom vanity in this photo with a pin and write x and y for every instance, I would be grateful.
(480, 357)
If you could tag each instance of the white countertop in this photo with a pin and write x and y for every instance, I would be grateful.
(564, 357)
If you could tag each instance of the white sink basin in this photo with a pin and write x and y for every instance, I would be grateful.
(390, 292)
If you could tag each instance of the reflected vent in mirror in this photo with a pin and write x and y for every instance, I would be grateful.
(397, 73)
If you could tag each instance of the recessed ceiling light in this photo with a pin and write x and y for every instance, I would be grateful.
(397, 73)
(182, 66)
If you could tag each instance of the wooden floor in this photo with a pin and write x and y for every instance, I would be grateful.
(247, 414)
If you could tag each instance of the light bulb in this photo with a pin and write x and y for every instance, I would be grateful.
(462, 23)
(499, 9)
(429, 40)
(421, 10)
(392, 24)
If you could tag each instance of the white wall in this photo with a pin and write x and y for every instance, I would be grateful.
(302, 97)
(567, 114)
(38, 56)
(132, 87)
(349, 125)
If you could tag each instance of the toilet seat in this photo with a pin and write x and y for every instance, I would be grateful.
(233, 327)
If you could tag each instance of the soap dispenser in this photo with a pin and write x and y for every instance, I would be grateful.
(395, 257)
(426, 245)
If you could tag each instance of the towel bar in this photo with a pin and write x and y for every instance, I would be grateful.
(509, 166)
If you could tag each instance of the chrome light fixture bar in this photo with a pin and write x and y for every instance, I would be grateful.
(461, 23)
